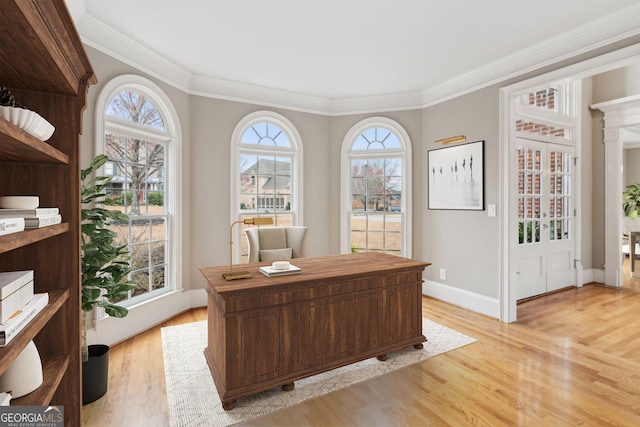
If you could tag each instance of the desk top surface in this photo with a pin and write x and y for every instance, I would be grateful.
(313, 269)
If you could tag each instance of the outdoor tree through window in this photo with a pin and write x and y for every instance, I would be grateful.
(135, 140)
(376, 161)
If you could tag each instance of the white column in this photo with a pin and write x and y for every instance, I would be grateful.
(618, 114)
(613, 206)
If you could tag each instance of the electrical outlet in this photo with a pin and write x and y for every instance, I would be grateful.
(443, 274)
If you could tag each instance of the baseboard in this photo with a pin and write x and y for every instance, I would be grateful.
(110, 331)
(481, 303)
(592, 275)
(462, 298)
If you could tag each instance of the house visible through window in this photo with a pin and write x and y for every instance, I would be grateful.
(267, 157)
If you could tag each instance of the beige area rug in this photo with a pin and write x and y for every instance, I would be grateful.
(193, 400)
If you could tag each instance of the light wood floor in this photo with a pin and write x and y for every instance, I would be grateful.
(573, 358)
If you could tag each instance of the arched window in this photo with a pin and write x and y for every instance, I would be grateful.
(376, 188)
(137, 128)
(265, 172)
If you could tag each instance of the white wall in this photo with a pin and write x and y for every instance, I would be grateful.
(465, 243)
(631, 166)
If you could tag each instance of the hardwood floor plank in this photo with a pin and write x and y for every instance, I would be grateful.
(572, 358)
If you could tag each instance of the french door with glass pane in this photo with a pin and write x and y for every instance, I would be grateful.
(543, 246)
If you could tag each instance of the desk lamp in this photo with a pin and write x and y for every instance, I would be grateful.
(231, 275)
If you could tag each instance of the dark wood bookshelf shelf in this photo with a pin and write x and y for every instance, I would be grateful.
(9, 242)
(53, 369)
(16, 145)
(57, 297)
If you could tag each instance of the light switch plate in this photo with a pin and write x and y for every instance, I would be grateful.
(491, 209)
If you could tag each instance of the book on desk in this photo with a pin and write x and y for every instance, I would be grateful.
(269, 271)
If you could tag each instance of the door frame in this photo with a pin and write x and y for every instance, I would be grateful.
(578, 71)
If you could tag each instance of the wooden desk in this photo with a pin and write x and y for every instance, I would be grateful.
(265, 332)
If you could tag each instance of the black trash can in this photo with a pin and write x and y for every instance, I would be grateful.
(95, 373)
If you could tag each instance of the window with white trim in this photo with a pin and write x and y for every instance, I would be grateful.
(376, 188)
(266, 180)
(137, 131)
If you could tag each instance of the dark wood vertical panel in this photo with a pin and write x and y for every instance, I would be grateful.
(48, 72)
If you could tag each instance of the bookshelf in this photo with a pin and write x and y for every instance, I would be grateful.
(46, 69)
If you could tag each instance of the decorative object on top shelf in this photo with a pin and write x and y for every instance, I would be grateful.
(105, 268)
(7, 99)
(631, 201)
(19, 202)
(249, 221)
(27, 120)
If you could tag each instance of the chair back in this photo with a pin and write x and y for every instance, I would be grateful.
(268, 244)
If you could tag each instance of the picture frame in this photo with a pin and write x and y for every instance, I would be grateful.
(456, 177)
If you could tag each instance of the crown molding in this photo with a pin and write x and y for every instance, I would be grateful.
(251, 94)
(607, 30)
(105, 39)
(600, 33)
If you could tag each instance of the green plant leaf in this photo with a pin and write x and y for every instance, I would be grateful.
(105, 265)
(631, 201)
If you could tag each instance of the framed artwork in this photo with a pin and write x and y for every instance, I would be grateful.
(456, 177)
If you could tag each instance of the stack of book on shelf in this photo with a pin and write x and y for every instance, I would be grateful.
(18, 303)
(29, 218)
(11, 225)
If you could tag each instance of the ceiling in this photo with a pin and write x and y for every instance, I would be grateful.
(332, 55)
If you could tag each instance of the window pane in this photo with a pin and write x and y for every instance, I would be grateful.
(266, 134)
(376, 138)
(543, 129)
(376, 193)
(138, 188)
(134, 107)
(265, 184)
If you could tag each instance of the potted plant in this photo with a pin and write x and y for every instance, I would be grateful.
(105, 269)
(631, 201)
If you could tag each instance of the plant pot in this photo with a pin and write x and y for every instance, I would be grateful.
(95, 373)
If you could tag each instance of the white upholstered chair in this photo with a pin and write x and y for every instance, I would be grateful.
(267, 244)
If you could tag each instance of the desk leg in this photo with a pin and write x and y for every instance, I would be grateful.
(229, 405)
(288, 386)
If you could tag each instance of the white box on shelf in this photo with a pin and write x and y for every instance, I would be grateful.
(11, 281)
(21, 319)
(14, 302)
